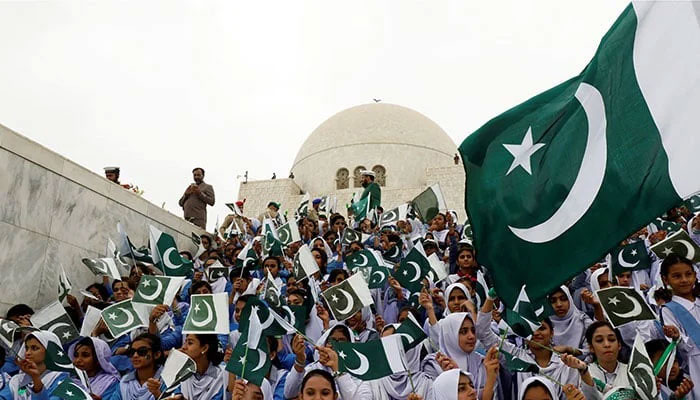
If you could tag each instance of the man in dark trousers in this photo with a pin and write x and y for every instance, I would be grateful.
(196, 198)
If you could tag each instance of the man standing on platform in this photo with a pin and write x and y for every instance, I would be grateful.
(371, 187)
(196, 198)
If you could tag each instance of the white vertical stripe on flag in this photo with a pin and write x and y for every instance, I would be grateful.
(254, 330)
(442, 206)
(666, 59)
(221, 309)
(395, 354)
(357, 282)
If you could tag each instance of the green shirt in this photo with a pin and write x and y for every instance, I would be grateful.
(376, 192)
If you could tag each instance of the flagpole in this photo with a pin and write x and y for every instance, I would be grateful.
(664, 357)
(410, 376)
(543, 346)
(551, 379)
(245, 360)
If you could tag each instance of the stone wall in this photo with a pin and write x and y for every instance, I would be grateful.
(55, 212)
(285, 191)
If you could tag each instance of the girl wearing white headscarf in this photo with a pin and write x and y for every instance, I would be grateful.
(454, 296)
(569, 322)
(454, 384)
(349, 387)
(548, 362)
(398, 386)
(209, 381)
(92, 355)
(536, 383)
(35, 381)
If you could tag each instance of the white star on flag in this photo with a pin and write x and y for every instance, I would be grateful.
(66, 335)
(405, 273)
(60, 354)
(69, 393)
(196, 307)
(522, 152)
(241, 360)
(634, 252)
(335, 298)
(667, 251)
(112, 316)
(613, 301)
(146, 283)
(342, 355)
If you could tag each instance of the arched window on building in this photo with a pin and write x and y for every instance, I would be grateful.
(379, 175)
(357, 176)
(342, 178)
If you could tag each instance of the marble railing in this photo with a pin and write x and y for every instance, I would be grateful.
(54, 212)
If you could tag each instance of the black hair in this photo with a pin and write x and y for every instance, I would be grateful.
(393, 237)
(548, 321)
(272, 258)
(537, 384)
(100, 288)
(342, 328)
(656, 346)
(18, 310)
(213, 354)
(87, 342)
(334, 274)
(3, 353)
(323, 374)
(155, 343)
(664, 294)
(411, 310)
(557, 290)
(244, 298)
(198, 168)
(239, 272)
(599, 324)
(199, 284)
(187, 254)
(336, 217)
(324, 260)
(674, 259)
(328, 234)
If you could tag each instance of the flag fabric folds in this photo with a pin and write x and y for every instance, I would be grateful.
(208, 314)
(348, 297)
(387, 355)
(594, 158)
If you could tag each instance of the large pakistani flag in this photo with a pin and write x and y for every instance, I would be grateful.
(592, 159)
(165, 254)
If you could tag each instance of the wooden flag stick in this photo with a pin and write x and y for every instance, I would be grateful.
(410, 376)
(543, 346)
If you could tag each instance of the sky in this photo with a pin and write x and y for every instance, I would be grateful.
(160, 87)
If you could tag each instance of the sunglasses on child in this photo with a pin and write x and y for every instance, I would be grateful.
(141, 351)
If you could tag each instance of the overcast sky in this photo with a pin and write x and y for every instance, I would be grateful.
(158, 87)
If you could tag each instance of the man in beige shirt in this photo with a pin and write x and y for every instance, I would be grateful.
(196, 198)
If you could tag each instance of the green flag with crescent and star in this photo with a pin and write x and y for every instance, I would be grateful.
(64, 284)
(348, 297)
(387, 357)
(177, 368)
(304, 264)
(622, 305)
(515, 364)
(157, 289)
(102, 266)
(680, 244)
(208, 314)
(631, 257)
(360, 208)
(166, 256)
(56, 359)
(350, 235)
(7, 332)
(413, 268)
(393, 216)
(378, 277)
(247, 257)
(288, 233)
(271, 246)
(250, 364)
(640, 371)
(665, 225)
(693, 203)
(429, 203)
(272, 293)
(592, 159)
(411, 332)
(121, 318)
(523, 318)
(363, 259)
(67, 390)
(55, 319)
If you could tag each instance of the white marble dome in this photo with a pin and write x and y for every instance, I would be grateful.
(384, 137)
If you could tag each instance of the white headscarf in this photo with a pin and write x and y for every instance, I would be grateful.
(47, 378)
(449, 344)
(691, 232)
(595, 286)
(326, 247)
(447, 295)
(446, 384)
(529, 381)
(205, 386)
(569, 329)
